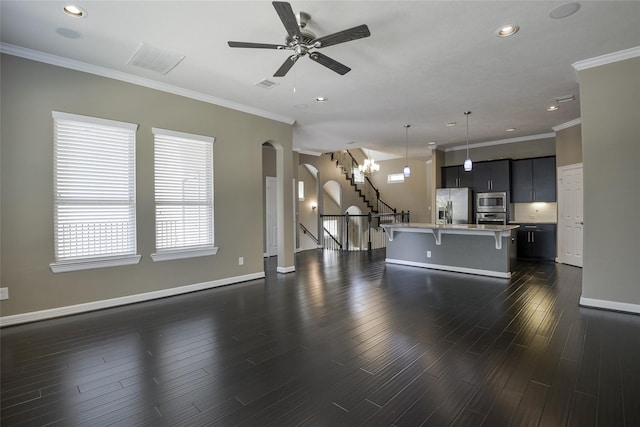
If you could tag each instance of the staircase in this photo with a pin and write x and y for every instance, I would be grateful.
(365, 189)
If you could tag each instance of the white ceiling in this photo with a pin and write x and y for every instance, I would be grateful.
(425, 63)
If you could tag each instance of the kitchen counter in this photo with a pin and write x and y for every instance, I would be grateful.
(533, 222)
(488, 250)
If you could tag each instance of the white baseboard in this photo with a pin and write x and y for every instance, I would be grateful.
(34, 316)
(610, 305)
(491, 273)
(286, 269)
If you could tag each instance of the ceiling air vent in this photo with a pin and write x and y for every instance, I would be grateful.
(565, 98)
(266, 84)
(154, 59)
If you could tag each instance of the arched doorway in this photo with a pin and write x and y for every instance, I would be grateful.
(354, 228)
(308, 207)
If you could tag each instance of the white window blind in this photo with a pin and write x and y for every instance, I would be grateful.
(183, 168)
(94, 191)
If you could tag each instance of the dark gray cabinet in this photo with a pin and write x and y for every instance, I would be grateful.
(493, 176)
(534, 180)
(537, 241)
(456, 177)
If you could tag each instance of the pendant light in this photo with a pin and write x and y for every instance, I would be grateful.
(468, 164)
(407, 169)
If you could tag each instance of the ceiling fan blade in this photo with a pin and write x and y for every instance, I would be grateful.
(286, 66)
(288, 18)
(354, 33)
(257, 45)
(330, 63)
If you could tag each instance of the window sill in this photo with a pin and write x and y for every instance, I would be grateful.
(67, 266)
(182, 254)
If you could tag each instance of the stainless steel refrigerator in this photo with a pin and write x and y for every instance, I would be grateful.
(454, 206)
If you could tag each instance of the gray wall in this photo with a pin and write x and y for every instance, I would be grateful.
(610, 109)
(569, 146)
(30, 91)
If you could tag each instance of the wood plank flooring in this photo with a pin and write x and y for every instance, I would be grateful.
(345, 341)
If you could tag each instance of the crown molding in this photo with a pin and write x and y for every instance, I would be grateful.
(59, 61)
(310, 153)
(567, 125)
(503, 141)
(609, 58)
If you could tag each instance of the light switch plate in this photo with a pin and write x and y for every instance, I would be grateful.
(4, 293)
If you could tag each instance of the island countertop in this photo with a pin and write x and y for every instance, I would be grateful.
(469, 227)
(497, 231)
(484, 249)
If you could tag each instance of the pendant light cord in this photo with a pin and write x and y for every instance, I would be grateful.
(406, 153)
(467, 114)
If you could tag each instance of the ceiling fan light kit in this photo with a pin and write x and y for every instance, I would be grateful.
(302, 41)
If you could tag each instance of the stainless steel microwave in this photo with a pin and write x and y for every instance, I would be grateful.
(491, 202)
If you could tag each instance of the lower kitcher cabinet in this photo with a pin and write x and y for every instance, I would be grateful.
(537, 241)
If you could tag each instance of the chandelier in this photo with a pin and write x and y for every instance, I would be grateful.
(369, 167)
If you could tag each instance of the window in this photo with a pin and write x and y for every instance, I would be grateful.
(94, 193)
(358, 176)
(183, 169)
(395, 178)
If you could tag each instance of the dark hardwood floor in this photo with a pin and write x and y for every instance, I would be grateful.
(345, 341)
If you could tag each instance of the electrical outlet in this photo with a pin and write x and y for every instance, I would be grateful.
(428, 254)
(241, 261)
(4, 293)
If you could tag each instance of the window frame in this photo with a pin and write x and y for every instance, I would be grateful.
(185, 251)
(85, 262)
(395, 178)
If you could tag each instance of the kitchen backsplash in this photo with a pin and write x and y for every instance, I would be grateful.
(534, 212)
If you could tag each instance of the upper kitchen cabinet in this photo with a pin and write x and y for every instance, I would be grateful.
(492, 176)
(534, 180)
(456, 177)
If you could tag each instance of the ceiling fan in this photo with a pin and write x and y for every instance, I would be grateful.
(302, 41)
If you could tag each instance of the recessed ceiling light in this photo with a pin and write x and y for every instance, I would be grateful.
(507, 30)
(321, 99)
(74, 11)
(564, 10)
(450, 124)
(511, 130)
(432, 142)
(552, 108)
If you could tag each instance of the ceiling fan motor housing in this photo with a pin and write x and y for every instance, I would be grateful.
(307, 36)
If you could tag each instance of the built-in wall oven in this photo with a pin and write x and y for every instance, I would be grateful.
(491, 208)
(495, 218)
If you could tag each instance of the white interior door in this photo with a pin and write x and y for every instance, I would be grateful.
(271, 215)
(570, 219)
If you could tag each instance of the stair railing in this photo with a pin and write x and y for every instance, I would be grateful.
(368, 192)
(358, 232)
(305, 230)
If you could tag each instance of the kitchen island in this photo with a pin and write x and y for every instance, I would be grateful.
(488, 250)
